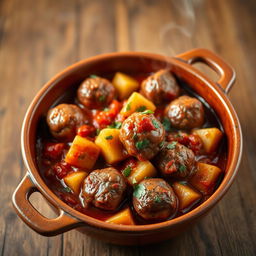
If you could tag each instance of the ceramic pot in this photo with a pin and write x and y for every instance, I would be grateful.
(215, 93)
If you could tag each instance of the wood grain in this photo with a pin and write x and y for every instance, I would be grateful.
(40, 38)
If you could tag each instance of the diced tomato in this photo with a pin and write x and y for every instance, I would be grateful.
(191, 141)
(145, 125)
(53, 150)
(170, 167)
(132, 162)
(107, 117)
(61, 169)
(86, 131)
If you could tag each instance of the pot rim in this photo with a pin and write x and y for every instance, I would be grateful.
(84, 219)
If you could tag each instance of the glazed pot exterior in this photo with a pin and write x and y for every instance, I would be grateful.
(214, 93)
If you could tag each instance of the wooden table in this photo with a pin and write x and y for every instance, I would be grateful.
(40, 38)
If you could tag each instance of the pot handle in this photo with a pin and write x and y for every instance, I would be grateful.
(224, 70)
(39, 223)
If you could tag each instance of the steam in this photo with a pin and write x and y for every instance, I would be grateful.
(177, 36)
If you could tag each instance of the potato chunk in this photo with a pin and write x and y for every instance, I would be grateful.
(186, 195)
(110, 145)
(123, 217)
(210, 138)
(143, 169)
(74, 180)
(136, 103)
(124, 85)
(83, 153)
(205, 178)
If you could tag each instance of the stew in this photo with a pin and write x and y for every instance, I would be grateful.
(132, 149)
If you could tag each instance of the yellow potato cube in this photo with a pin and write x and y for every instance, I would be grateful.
(83, 153)
(74, 180)
(186, 195)
(210, 138)
(123, 217)
(136, 103)
(110, 145)
(205, 178)
(124, 85)
(143, 169)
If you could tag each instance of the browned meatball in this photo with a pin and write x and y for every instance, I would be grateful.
(154, 199)
(64, 119)
(142, 135)
(176, 160)
(160, 87)
(96, 92)
(185, 113)
(104, 188)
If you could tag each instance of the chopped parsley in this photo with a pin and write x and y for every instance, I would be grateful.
(142, 144)
(128, 106)
(183, 182)
(155, 123)
(161, 144)
(67, 189)
(141, 109)
(93, 76)
(97, 131)
(102, 98)
(135, 136)
(182, 168)
(167, 124)
(139, 190)
(172, 145)
(148, 111)
(106, 109)
(116, 125)
(127, 171)
(110, 137)
(158, 199)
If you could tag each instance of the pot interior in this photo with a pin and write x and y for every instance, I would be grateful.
(67, 82)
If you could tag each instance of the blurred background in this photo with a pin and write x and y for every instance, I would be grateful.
(40, 38)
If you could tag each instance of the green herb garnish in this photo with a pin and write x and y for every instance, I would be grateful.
(141, 109)
(67, 189)
(102, 98)
(182, 168)
(128, 106)
(148, 111)
(183, 182)
(127, 171)
(93, 76)
(161, 144)
(106, 109)
(135, 136)
(97, 131)
(116, 125)
(167, 124)
(172, 145)
(158, 199)
(139, 190)
(155, 123)
(110, 137)
(142, 144)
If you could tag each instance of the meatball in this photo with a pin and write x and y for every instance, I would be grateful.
(160, 87)
(176, 160)
(64, 119)
(96, 92)
(104, 188)
(154, 199)
(185, 113)
(142, 135)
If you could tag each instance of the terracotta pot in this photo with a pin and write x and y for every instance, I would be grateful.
(213, 92)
